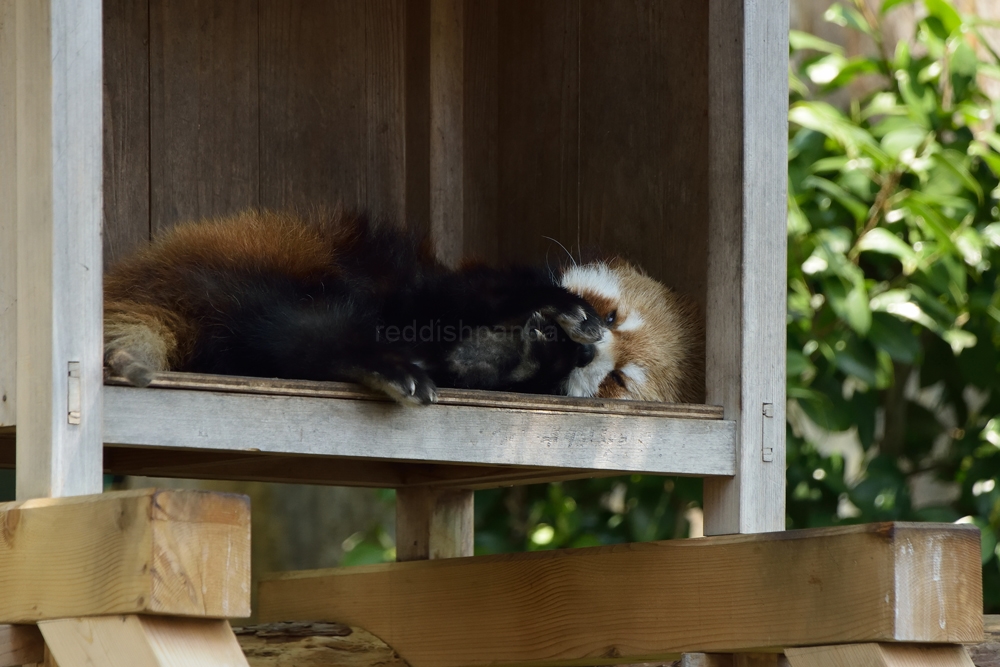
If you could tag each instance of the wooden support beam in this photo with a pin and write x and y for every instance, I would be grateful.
(142, 641)
(20, 645)
(987, 654)
(59, 169)
(8, 212)
(176, 552)
(634, 602)
(433, 523)
(745, 318)
(879, 655)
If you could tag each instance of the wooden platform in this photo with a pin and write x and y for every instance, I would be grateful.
(218, 427)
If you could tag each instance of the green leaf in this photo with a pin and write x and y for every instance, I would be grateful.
(826, 119)
(885, 242)
(801, 41)
(826, 69)
(851, 70)
(798, 363)
(944, 12)
(847, 17)
(955, 162)
(959, 339)
(854, 206)
(895, 337)
(889, 4)
(910, 136)
(858, 311)
(991, 234)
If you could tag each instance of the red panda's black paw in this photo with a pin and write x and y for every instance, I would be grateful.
(581, 323)
(404, 382)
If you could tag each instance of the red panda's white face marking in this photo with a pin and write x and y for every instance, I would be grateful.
(653, 347)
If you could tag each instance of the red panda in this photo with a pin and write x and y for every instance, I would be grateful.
(339, 297)
(653, 347)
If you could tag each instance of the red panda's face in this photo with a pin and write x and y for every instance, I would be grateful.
(651, 347)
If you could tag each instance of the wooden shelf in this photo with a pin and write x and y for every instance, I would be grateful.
(218, 427)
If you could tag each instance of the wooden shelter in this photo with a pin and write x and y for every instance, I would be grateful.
(651, 128)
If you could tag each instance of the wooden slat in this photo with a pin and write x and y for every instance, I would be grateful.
(447, 173)
(879, 655)
(333, 105)
(147, 551)
(636, 602)
(440, 433)
(142, 641)
(59, 125)
(469, 397)
(8, 214)
(20, 645)
(745, 320)
(203, 100)
(434, 523)
(126, 127)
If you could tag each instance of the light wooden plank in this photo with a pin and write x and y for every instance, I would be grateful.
(434, 522)
(142, 641)
(8, 215)
(314, 645)
(126, 127)
(879, 655)
(20, 645)
(439, 433)
(470, 397)
(650, 601)
(447, 61)
(745, 318)
(146, 551)
(987, 654)
(59, 125)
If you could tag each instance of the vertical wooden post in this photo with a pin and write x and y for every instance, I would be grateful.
(8, 214)
(748, 88)
(59, 169)
(433, 523)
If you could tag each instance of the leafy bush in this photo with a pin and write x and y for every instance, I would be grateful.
(893, 310)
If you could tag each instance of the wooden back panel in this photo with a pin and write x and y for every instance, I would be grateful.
(585, 122)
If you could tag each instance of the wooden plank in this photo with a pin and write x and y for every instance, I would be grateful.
(59, 125)
(314, 645)
(126, 127)
(142, 641)
(434, 523)
(20, 644)
(538, 139)
(447, 172)
(643, 170)
(175, 552)
(203, 99)
(745, 318)
(470, 397)
(417, 122)
(648, 601)
(8, 214)
(878, 655)
(334, 104)
(440, 433)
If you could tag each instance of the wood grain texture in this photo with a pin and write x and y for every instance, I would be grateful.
(314, 645)
(203, 100)
(59, 126)
(8, 214)
(126, 127)
(333, 104)
(745, 317)
(655, 600)
(434, 522)
(440, 433)
(879, 655)
(142, 641)
(20, 645)
(471, 397)
(147, 551)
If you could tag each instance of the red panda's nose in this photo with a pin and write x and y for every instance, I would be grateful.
(585, 355)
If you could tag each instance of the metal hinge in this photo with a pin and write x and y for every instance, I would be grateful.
(766, 434)
(73, 388)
